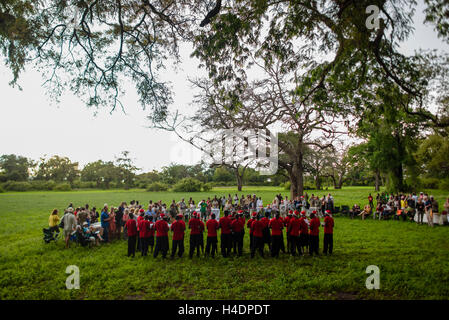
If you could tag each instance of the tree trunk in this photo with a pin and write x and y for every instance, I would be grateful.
(318, 182)
(293, 186)
(377, 180)
(239, 179)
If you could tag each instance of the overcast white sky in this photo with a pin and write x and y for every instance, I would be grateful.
(32, 126)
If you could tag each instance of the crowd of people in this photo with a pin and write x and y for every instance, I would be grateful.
(411, 207)
(147, 229)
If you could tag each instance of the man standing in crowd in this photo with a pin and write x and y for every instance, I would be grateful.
(212, 227)
(428, 208)
(313, 234)
(276, 225)
(225, 225)
(286, 223)
(293, 231)
(105, 223)
(161, 227)
(257, 227)
(131, 227)
(266, 230)
(237, 227)
(248, 225)
(303, 232)
(328, 233)
(178, 227)
(195, 232)
(69, 222)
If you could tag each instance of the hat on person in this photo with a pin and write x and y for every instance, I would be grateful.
(254, 214)
(180, 215)
(295, 213)
(141, 210)
(85, 223)
(303, 213)
(290, 212)
(314, 211)
(162, 215)
(70, 209)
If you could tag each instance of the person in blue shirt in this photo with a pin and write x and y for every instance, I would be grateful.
(105, 223)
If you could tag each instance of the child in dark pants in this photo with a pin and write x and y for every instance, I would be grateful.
(212, 227)
(131, 227)
(150, 239)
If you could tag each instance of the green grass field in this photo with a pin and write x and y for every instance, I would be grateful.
(413, 259)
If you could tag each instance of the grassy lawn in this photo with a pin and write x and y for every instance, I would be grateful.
(413, 259)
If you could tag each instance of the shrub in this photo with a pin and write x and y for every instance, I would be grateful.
(1, 189)
(430, 183)
(157, 186)
(62, 187)
(444, 184)
(42, 185)
(207, 187)
(286, 185)
(188, 185)
(17, 186)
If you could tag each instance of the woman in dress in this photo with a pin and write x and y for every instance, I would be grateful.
(112, 224)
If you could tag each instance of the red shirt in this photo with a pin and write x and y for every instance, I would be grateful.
(201, 226)
(139, 219)
(249, 224)
(294, 227)
(212, 226)
(276, 226)
(243, 220)
(131, 225)
(287, 220)
(237, 225)
(148, 230)
(178, 228)
(328, 225)
(265, 221)
(195, 226)
(314, 226)
(151, 229)
(303, 228)
(141, 227)
(258, 227)
(161, 228)
(225, 225)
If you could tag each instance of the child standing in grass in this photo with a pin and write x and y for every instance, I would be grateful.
(131, 227)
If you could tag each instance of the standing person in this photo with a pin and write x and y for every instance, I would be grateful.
(428, 208)
(201, 236)
(139, 219)
(112, 225)
(104, 218)
(53, 221)
(293, 231)
(161, 227)
(151, 229)
(69, 221)
(195, 230)
(420, 208)
(203, 208)
(142, 227)
(237, 227)
(266, 230)
(314, 234)
(248, 225)
(276, 225)
(257, 228)
(131, 227)
(370, 201)
(303, 232)
(225, 225)
(178, 227)
(212, 227)
(119, 220)
(286, 223)
(328, 233)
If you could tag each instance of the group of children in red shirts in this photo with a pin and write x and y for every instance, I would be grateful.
(302, 234)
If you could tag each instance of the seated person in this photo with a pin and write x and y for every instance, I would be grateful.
(355, 211)
(386, 212)
(378, 211)
(366, 211)
(410, 213)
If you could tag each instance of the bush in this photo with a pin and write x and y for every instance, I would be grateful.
(444, 184)
(286, 185)
(207, 187)
(188, 185)
(430, 183)
(157, 186)
(62, 187)
(42, 185)
(17, 186)
(1, 189)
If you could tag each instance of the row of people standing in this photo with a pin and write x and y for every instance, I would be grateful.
(302, 234)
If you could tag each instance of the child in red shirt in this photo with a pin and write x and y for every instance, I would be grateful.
(328, 233)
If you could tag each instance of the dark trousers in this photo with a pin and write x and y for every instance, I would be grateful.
(238, 242)
(162, 246)
(304, 241)
(289, 245)
(150, 241)
(328, 243)
(314, 245)
(132, 245)
(282, 247)
(211, 244)
(225, 244)
(106, 234)
(201, 241)
(258, 244)
(177, 245)
(295, 245)
(144, 246)
(276, 245)
(139, 244)
(194, 244)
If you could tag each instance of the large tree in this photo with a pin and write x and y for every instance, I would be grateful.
(13, 167)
